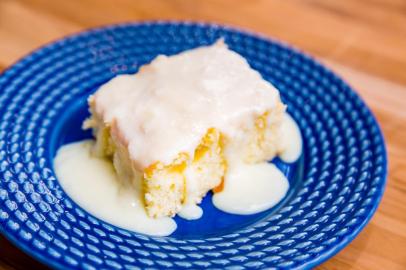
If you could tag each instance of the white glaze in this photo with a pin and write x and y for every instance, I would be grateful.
(191, 212)
(180, 97)
(92, 183)
(290, 139)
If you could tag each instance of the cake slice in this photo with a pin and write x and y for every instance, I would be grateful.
(172, 128)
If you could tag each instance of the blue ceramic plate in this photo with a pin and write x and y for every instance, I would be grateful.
(335, 186)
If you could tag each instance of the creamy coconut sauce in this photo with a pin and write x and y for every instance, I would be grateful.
(158, 116)
(191, 212)
(92, 183)
(253, 188)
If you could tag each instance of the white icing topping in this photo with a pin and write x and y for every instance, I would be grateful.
(169, 104)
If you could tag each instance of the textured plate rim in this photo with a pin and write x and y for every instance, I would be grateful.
(308, 264)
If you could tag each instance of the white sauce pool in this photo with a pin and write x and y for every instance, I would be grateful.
(92, 183)
(191, 212)
(253, 188)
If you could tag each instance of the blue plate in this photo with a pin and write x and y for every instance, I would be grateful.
(335, 186)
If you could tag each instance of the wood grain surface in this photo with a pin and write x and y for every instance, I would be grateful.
(362, 40)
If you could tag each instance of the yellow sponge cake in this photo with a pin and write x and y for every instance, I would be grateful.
(172, 128)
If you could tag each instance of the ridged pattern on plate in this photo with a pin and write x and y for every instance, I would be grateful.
(345, 162)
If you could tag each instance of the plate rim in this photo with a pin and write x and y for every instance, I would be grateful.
(51, 262)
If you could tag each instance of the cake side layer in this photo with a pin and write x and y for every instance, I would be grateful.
(166, 187)
(186, 180)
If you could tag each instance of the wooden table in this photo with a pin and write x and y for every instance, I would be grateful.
(363, 40)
